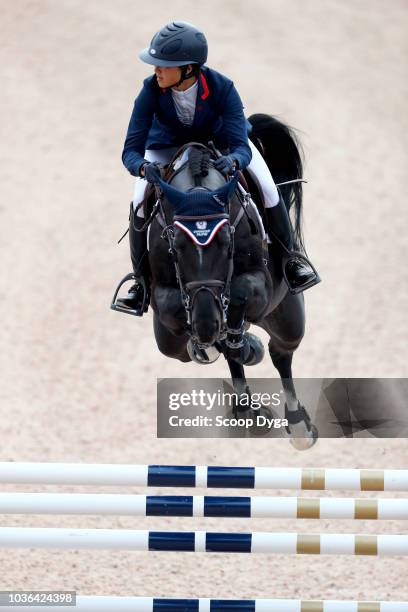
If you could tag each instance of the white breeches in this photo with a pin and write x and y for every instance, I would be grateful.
(259, 171)
(257, 168)
(162, 156)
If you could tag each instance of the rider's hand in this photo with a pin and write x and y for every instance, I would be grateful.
(151, 172)
(225, 164)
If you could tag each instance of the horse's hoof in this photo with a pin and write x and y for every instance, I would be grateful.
(202, 356)
(302, 433)
(305, 443)
(257, 351)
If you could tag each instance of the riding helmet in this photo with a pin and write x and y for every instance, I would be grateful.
(177, 44)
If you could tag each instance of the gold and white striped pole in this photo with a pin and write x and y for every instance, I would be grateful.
(150, 604)
(204, 506)
(202, 541)
(205, 476)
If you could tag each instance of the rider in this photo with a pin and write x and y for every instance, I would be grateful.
(185, 101)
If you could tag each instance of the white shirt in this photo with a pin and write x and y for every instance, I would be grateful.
(185, 103)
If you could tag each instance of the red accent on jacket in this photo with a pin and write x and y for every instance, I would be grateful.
(204, 84)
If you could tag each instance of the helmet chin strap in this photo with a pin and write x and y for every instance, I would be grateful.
(184, 76)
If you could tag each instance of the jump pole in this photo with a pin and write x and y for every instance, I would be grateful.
(201, 541)
(205, 476)
(204, 506)
(150, 604)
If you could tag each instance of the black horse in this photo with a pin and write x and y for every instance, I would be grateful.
(212, 274)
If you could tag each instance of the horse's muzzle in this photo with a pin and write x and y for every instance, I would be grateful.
(206, 313)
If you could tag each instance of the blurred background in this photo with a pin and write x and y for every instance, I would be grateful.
(78, 380)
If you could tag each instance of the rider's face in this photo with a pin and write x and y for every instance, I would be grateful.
(167, 76)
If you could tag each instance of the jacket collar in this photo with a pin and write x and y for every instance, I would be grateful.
(202, 97)
(203, 89)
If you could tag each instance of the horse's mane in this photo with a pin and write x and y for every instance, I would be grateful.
(193, 169)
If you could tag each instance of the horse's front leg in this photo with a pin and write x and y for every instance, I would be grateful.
(237, 347)
(169, 343)
(248, 299)
(169, 323)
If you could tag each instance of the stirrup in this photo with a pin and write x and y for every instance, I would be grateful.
(310, 283)
(132, 311)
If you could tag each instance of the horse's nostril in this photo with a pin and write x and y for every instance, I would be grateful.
(206, 331)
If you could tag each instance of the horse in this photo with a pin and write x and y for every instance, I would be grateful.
(212, 273)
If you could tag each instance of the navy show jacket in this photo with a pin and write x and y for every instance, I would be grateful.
(218, 116)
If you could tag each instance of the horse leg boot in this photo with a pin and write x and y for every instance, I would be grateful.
(138, 297)
(298, 273)
(240, 346)
(236, 342)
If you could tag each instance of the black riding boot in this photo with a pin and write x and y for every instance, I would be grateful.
(298, 274)
(138, 297)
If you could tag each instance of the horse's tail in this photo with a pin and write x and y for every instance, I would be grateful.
(283, 154)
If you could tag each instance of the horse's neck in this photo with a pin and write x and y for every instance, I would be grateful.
(183, 181)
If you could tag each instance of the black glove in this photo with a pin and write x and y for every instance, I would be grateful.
(225, 164)
(151, 172)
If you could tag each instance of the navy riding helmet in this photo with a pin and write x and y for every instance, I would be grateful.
(176, 44)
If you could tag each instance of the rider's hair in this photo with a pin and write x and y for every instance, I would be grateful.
(186, 74)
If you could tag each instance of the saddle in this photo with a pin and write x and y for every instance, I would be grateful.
(198, 155)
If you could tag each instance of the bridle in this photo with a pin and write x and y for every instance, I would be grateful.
(219, 289)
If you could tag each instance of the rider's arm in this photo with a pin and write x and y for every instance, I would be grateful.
(235, 127)
(139, 126)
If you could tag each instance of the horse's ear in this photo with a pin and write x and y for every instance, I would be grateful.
(175, 197)
(225, 192)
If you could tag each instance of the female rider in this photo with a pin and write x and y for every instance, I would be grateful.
(186, 101)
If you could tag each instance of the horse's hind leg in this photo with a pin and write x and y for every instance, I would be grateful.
(286, 329)
(282, 360)
(240, 387)
(239, 381)
(168, 343)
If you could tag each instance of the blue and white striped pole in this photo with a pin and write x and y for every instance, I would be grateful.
(150, 604)
(204, 476)
(204, 506)
(202, 541)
